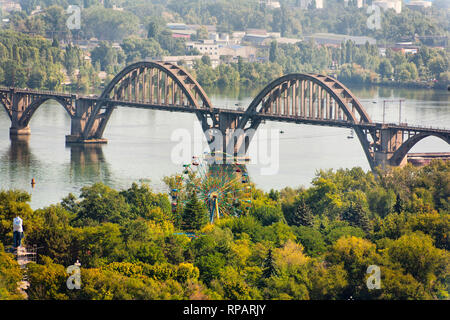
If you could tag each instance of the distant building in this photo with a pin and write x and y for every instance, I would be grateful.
(405, 47)
(235, 51)
(419, 4)
(272, 4)
(116, 8)
(220, 39)
(237, 36)
(283, 40)
(332, 39)
(9, 6)
(319, 4)
(186, 60)
(255, 39)
(206, 47)
(306, 4)
(177, 26)
(396, 5)
(181, 30)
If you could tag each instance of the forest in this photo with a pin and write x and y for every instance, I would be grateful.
(303, 243)
(37, 43)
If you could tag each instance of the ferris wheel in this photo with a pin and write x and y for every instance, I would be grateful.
(225, 189)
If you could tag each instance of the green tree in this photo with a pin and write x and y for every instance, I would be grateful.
(416, 253)
(10, 275)
(356, 216)
(269, 268)
(195, 215)
(302, 215)
(99, 203)
(385, 69)
(273, 51)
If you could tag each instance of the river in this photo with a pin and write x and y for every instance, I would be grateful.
(141, 145)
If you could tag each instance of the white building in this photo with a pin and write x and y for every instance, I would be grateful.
(206, 47)
(234, 51)
(273, 4)
(319, 4)
(419, 4)
(221, 39)
(9, 6)
(396, 5)
(188, 60)
(305, 4)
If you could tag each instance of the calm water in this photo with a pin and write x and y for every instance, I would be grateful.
(140, 146)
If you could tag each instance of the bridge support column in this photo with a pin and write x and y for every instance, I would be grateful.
(390, 141)
(18, 106)
(24, 131)
(234, 141)
(78, 124)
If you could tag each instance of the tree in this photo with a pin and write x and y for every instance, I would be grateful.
(269, 268)
(100, 204)
(36, 79)
(311, 239)
(302, 215)
(418, 256)
(437, 65)
(356, 216)
(14, 203)
(273, 51)
(355, 254)
(10, 275)
(195, 215)
(385, 69)
(399, 204)
(153, 29)
(206, 60)
(202, 33)
(274, 195)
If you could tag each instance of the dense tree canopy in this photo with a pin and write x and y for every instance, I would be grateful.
(306, 243)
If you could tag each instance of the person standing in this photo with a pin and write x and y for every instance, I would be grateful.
(17, 231)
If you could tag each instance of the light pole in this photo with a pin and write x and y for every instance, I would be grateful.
(399, 109)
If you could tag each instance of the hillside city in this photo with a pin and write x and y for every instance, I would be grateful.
(409, 46)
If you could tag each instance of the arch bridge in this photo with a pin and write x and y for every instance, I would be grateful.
(297, 98)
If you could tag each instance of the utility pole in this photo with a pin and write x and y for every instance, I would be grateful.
(399, 109)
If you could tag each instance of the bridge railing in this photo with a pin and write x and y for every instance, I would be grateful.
(42, 92)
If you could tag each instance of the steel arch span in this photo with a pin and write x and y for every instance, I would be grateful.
(400, 154)
(307, 96)
(34, 106)
(313, 99)
(151, 83)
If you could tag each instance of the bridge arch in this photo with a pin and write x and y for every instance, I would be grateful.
(307, 96)
(34, 106)
(148, 82)
(8, 112)
(311, 98)
(406, 146)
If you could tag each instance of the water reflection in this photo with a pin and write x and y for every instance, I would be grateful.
(19, 151)
(88, 163)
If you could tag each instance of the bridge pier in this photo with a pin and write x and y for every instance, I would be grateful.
(78, 123)
(226, 138)
(15, 132)
(390, 140)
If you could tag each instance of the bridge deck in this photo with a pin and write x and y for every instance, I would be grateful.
(278, 118)
(269, 117)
